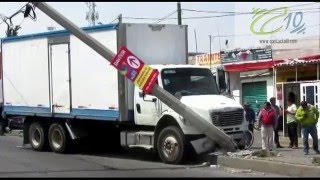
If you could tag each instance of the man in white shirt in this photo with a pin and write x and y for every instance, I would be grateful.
(292, 124)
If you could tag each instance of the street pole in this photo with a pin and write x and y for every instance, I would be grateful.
(219, 38)
(210, 52)
(201, 124)
(195, 37)
(120, 18)
(179, 13)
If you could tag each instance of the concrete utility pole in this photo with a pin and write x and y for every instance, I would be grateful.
(120, 18)
(200, 123)
(179, 13)
(210, 51)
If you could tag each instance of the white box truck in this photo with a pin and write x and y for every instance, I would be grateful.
(66, 91)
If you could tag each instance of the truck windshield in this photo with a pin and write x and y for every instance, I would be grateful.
(189, 81)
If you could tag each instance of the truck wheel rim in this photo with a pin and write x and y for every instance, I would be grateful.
(170, 147)
(36, 137)
(56, 139)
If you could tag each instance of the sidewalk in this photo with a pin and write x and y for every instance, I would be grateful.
(286, 161)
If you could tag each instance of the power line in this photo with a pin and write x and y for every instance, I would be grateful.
(239, 13)
(201, 17)
(206, 17)
(114, 20)
(227, 13)
(233, 12)
(167, 16)
(233, 35)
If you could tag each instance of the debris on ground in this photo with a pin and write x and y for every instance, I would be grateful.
(249, 154)
(214, 166)
(316, 161)
(264, 153)
(240, 153)
(233, 170)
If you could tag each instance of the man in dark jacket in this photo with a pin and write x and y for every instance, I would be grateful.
(276, 128)
(250, 115)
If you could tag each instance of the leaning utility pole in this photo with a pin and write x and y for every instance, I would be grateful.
(179, 13)
(196, 120)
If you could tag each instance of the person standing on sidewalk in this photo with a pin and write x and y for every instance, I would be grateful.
(266, 121)
(308, 116)
(292, 124)
(276, 127)
(250, 116)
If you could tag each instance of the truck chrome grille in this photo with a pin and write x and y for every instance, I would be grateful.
(227, 118)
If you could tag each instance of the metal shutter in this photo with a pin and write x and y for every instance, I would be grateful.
(255, 93)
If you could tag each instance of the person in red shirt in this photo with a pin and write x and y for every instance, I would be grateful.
(266, 121)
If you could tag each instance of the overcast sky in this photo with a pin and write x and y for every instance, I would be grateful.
(225, 25)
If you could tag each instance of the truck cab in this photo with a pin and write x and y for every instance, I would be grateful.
(196, 87)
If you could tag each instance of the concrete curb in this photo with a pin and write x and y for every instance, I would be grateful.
(280, 168)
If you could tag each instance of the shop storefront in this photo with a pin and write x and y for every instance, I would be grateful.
(251, 75)
(298, 79)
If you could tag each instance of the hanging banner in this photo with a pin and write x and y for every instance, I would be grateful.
(204, 59)
(245, 55)
(135, 70)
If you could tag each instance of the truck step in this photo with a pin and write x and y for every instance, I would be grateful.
(145, 133)
(148, 147)
(142, 139)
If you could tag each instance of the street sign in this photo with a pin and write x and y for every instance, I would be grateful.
(134, 69)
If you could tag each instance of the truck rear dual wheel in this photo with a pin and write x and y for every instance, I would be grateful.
(37, 137)
(171, 145)
(58, 138)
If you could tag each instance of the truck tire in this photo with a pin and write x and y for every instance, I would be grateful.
(38, 137)
(171, 145)
(58, 138)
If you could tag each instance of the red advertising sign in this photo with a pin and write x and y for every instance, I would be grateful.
(134, 69)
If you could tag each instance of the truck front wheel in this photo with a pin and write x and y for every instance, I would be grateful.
(37, 137)
(57, 138)
(171, 145)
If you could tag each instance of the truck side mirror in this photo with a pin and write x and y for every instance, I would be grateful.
(142, 94)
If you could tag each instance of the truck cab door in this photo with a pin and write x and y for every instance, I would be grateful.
(146, 108)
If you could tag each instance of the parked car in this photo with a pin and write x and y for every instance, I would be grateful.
(16, 123)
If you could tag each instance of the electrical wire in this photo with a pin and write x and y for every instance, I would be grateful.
(199, 17)
(228, 13)
(239, 13)
(113, 20)
(233, 35)
(235, 12)
(159, 20)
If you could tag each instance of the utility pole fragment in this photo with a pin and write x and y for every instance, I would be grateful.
(201, 124)
(179, 13)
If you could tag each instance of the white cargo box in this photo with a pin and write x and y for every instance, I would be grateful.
(56, 74)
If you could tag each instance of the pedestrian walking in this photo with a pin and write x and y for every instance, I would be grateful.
(250, 116)
(292, 124)
(308, 116)
(276, 127)
(266, 121)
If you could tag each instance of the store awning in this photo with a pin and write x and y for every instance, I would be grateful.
(250, 66)
(294, 62)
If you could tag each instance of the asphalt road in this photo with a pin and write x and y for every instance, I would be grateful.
(24, 162)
